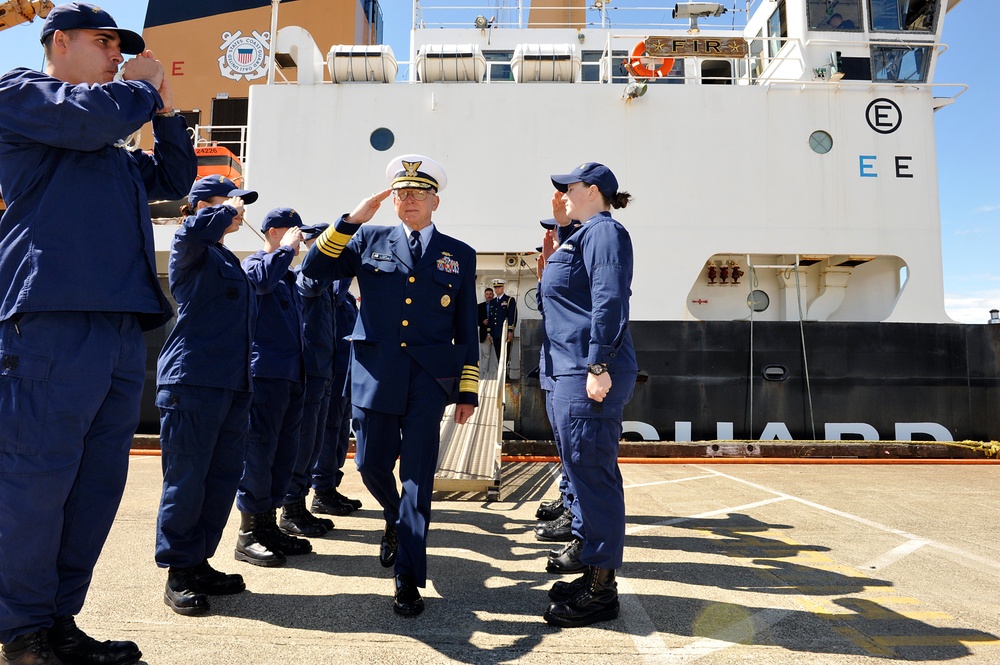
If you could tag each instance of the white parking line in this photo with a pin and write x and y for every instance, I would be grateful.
(712, 513)
(667, 482)
(893, 555)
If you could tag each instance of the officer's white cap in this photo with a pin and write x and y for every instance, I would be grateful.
(498, 282)
(415, 171)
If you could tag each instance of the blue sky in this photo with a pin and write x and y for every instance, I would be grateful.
(968, 138)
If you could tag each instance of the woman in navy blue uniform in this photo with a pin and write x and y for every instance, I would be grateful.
(585, 290)
(203, 394)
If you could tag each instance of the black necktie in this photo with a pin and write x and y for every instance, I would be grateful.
(415, 248)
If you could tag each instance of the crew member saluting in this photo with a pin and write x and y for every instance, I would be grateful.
(415, 350)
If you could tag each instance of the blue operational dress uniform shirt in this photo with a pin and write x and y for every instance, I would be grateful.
(79, 284)
(203, 389)
(278, 371)
(415, 350)
(585, 293)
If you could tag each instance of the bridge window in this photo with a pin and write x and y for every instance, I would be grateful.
(499, 65)
(716, 72)
(896, 15)
(843, 15)
(900, 65)
(777, 29)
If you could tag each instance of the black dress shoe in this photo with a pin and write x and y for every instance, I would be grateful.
(387, 550)
(549, 510)
(74, 647)
(29, 649)
(568, 561)
(211, 582)
(407, 602)
(180, 594)
(557, 530)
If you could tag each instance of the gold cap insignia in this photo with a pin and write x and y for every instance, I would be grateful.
(411, 168)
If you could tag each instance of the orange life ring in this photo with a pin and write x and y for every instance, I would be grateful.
(637, 69)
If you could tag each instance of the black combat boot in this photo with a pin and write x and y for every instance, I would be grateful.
(281, 542)
(253, 544)
(597, 601)
(29, 649)
(74, 647)
(562, 591)
(567, 561)
(211, 582)
(332, 502)
(297, 521)
(549, 510)
(558, 529)
(181, 594)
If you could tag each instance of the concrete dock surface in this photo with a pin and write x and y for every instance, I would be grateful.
(775, 564)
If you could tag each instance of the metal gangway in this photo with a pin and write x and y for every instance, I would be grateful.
(469, 456)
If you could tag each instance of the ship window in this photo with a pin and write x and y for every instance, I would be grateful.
(716, 72)
(777, 30)
(498, 63)
(843, 15)
(382, 139)
(900, 65)
(590, 69)
(820, 142)
(895, 15)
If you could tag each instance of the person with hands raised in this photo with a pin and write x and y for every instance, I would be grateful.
(203, 392)
(277, 366)
(72, 313)
(415, 350)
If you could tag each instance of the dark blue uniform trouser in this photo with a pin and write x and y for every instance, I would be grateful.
(315, 405)
(70, 386)
(327, 472)
(203, 438)
(590, 432)
(414, 438)
(565, 487)
(272, 444)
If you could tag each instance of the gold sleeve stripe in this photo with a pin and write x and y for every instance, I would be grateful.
(470, 372)
(468, 386)
(332, 242)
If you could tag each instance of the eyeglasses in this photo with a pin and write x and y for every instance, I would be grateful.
(415, 194)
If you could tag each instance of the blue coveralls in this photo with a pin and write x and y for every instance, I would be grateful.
(203, 389)
(79, 284)
(548, 384)
(319, 334)
(585, 291)
(327, 473)
(415, 350)
(277, 365)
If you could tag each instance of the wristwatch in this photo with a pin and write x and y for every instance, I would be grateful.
(597, 370)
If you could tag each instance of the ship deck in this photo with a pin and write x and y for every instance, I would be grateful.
(756, 563)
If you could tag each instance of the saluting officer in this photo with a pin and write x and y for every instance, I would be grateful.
(503, 316)
(414, 352)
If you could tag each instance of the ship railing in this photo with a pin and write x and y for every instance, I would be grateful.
(233, 137)
(514, 14)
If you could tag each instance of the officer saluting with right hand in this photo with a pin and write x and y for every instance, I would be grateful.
(415, 350)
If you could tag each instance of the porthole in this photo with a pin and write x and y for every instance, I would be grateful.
(758, 301)
(820, 142)
(382, 139)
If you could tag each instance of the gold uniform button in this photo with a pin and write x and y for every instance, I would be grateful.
(405, 323)
(402, 343)
(412, 279)
(409, 301)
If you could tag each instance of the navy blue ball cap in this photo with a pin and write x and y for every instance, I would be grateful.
(84, 16)
(217, 185)
(590, 173)
(281, 218)
(310, 232)
(548, 224)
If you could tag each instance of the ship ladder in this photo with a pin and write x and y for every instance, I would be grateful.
(469, 454)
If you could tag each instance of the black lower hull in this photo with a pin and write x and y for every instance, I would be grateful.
(890, 380)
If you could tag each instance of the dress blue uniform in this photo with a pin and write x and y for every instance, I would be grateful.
(204, 384)
(585, 290)
(415, 350)
(277, 364)
(502, 317)
(72, 311)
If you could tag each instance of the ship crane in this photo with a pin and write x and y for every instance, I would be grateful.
(15, 12)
